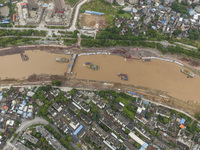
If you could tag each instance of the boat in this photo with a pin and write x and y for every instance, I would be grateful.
(62, 60)
(123, 76)
(190, 74)
(24, 57)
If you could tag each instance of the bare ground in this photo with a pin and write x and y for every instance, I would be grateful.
(90, 21)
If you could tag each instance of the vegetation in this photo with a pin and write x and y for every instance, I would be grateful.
(15, 41)
(179, 7)
(148, 115)
(194, 34)
(163, 120)
(197, 116)
(56, 82)
(29, 32)
(56, 27)
(71, 2)
(193, 128)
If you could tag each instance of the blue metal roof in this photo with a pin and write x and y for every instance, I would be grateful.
(182, 121)
(163, 21)
(153, 27)
(78, 130)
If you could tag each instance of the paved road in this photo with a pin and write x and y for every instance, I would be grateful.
(73, 26)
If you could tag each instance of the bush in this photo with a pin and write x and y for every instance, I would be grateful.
(56, 82)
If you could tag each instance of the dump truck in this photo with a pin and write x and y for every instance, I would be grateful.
(24, 57)
(62, 60)
(91, 66)
(123, 76)
(190, 74)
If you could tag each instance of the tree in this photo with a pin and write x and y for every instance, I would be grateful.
(72, 92)
(193, 34)
(56, 82)
(87, 139)
(153, 132)
(79, 145)
(197, 116)
(148, 115)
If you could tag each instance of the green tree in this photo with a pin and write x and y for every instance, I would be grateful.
(148, 115)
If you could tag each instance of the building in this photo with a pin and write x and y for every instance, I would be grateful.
(109, 1)
(133, 2)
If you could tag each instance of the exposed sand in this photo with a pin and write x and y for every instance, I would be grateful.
(39, 62)
(157, 74)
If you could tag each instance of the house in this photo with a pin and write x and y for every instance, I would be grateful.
(86, 119)
(84, 106)
(96, 139)
(164, 112)
(121, 119)
(113, 142)
(52, 112)
(29, 137)
(98, 130)
(57, 107)
(129, 146)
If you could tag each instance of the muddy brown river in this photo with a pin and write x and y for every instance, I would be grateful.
(39, 62)
(165, 76)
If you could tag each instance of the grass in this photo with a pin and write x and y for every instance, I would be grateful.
(71, 2)
(2, 1)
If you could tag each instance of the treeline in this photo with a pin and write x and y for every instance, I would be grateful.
(106, 43)
(29, 32)
(14, 41)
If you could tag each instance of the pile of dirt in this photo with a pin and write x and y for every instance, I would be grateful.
(92, 21)
(193, 63)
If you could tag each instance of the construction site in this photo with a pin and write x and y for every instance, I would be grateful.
(92, 21)
(34, 12)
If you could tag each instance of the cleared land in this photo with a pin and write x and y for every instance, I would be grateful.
(39, 62)
(92, 21)
(157, 74)
(4, 11)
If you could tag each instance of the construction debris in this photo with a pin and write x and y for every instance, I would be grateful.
(91, 66)
(62, 60)
(123, 76)
(24, 57)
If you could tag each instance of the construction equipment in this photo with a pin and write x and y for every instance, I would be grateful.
(24, 57)
(91, 66)
(62, 60)
(190, 74)
(123, 76)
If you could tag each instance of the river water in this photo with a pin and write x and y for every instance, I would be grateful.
(165, 76)
(40, 62)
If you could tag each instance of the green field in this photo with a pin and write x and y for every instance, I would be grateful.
(71, 2)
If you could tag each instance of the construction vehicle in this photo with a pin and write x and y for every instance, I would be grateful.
(190, 74)
(24, 57)
(91, 66)
(123, 76)
(62, 60)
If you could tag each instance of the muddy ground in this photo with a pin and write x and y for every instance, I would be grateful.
(92, 21)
